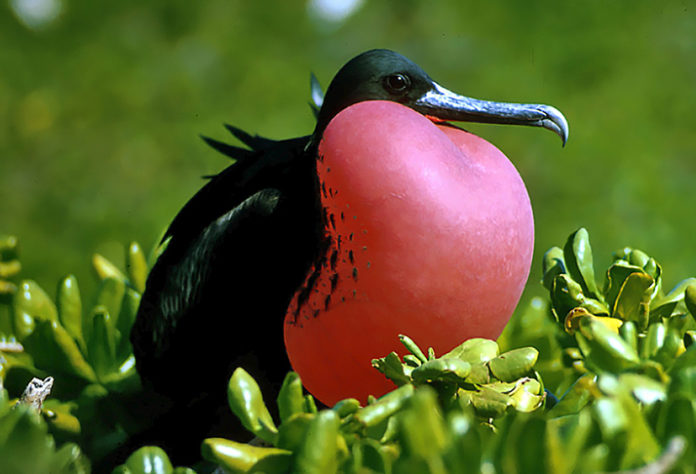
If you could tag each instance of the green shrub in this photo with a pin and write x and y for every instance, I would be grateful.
(595, 378)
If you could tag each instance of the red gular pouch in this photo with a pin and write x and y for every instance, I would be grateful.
(431, 235)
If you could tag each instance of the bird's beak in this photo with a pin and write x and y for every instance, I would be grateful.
(446, 105)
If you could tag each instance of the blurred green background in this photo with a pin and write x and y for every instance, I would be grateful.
(101, 104)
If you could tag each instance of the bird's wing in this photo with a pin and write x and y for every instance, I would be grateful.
(176, 285)
(237, 251)
(255, 170)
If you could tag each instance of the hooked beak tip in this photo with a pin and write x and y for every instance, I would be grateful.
(554, 121)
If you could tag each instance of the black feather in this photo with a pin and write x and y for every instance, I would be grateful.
(232, 151)
(255, 142)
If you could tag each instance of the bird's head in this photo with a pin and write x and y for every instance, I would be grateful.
(381, 74)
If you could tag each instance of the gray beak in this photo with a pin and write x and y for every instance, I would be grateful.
(446, 105)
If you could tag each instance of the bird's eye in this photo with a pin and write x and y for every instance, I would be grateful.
(397, 83)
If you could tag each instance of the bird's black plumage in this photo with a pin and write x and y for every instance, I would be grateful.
(235, 254)
(208, 294)
(244, 244)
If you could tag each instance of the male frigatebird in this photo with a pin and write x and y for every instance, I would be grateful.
(384, 220)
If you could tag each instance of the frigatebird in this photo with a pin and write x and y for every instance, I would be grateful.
(244, 257)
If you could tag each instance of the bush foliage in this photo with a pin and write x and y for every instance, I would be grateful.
(597, 377)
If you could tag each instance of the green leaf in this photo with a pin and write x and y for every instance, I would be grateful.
(638, 258)
(474, 351)
(412, 348)
(60, 418)
(30, 304)
(70, 308)
(369, 456)
(666, 305)
(667, 352)
(612, 418)
(158, 249)
(653, 340)
(605, 349)
(383, 408)
(513, 364)
(105, 269)
(479, 374)
(346, 407)
(392, 368)
(594, 306)
(566, 438)
(684, 382)
(9, 268)
(490, 403)
(246, 401)
(101, 345)
(8, 247)
(126, 318)
(527, 396)
(629, 333)
(411, 360)
(442, 370)
(596, 458)
(552, 264)
(149, 460)
(292, 431)
(310, 406)
(110, 296)
(183, 470)
(238, 458)
(652, 268)
(644, 389)
(690, 299)
(616, 275)
(466, 446)
(123, 378)
(290, 397)
(423, 432)
(578, 258)
(69, 458)
(525, 448)
(633, 299)
(641, 445)
(26, 447)
(55, 350)
(566, 294)
(678, 418)
(318, 452)
(136, 266)
(623, 426)
(679, 323)
(388, 434)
